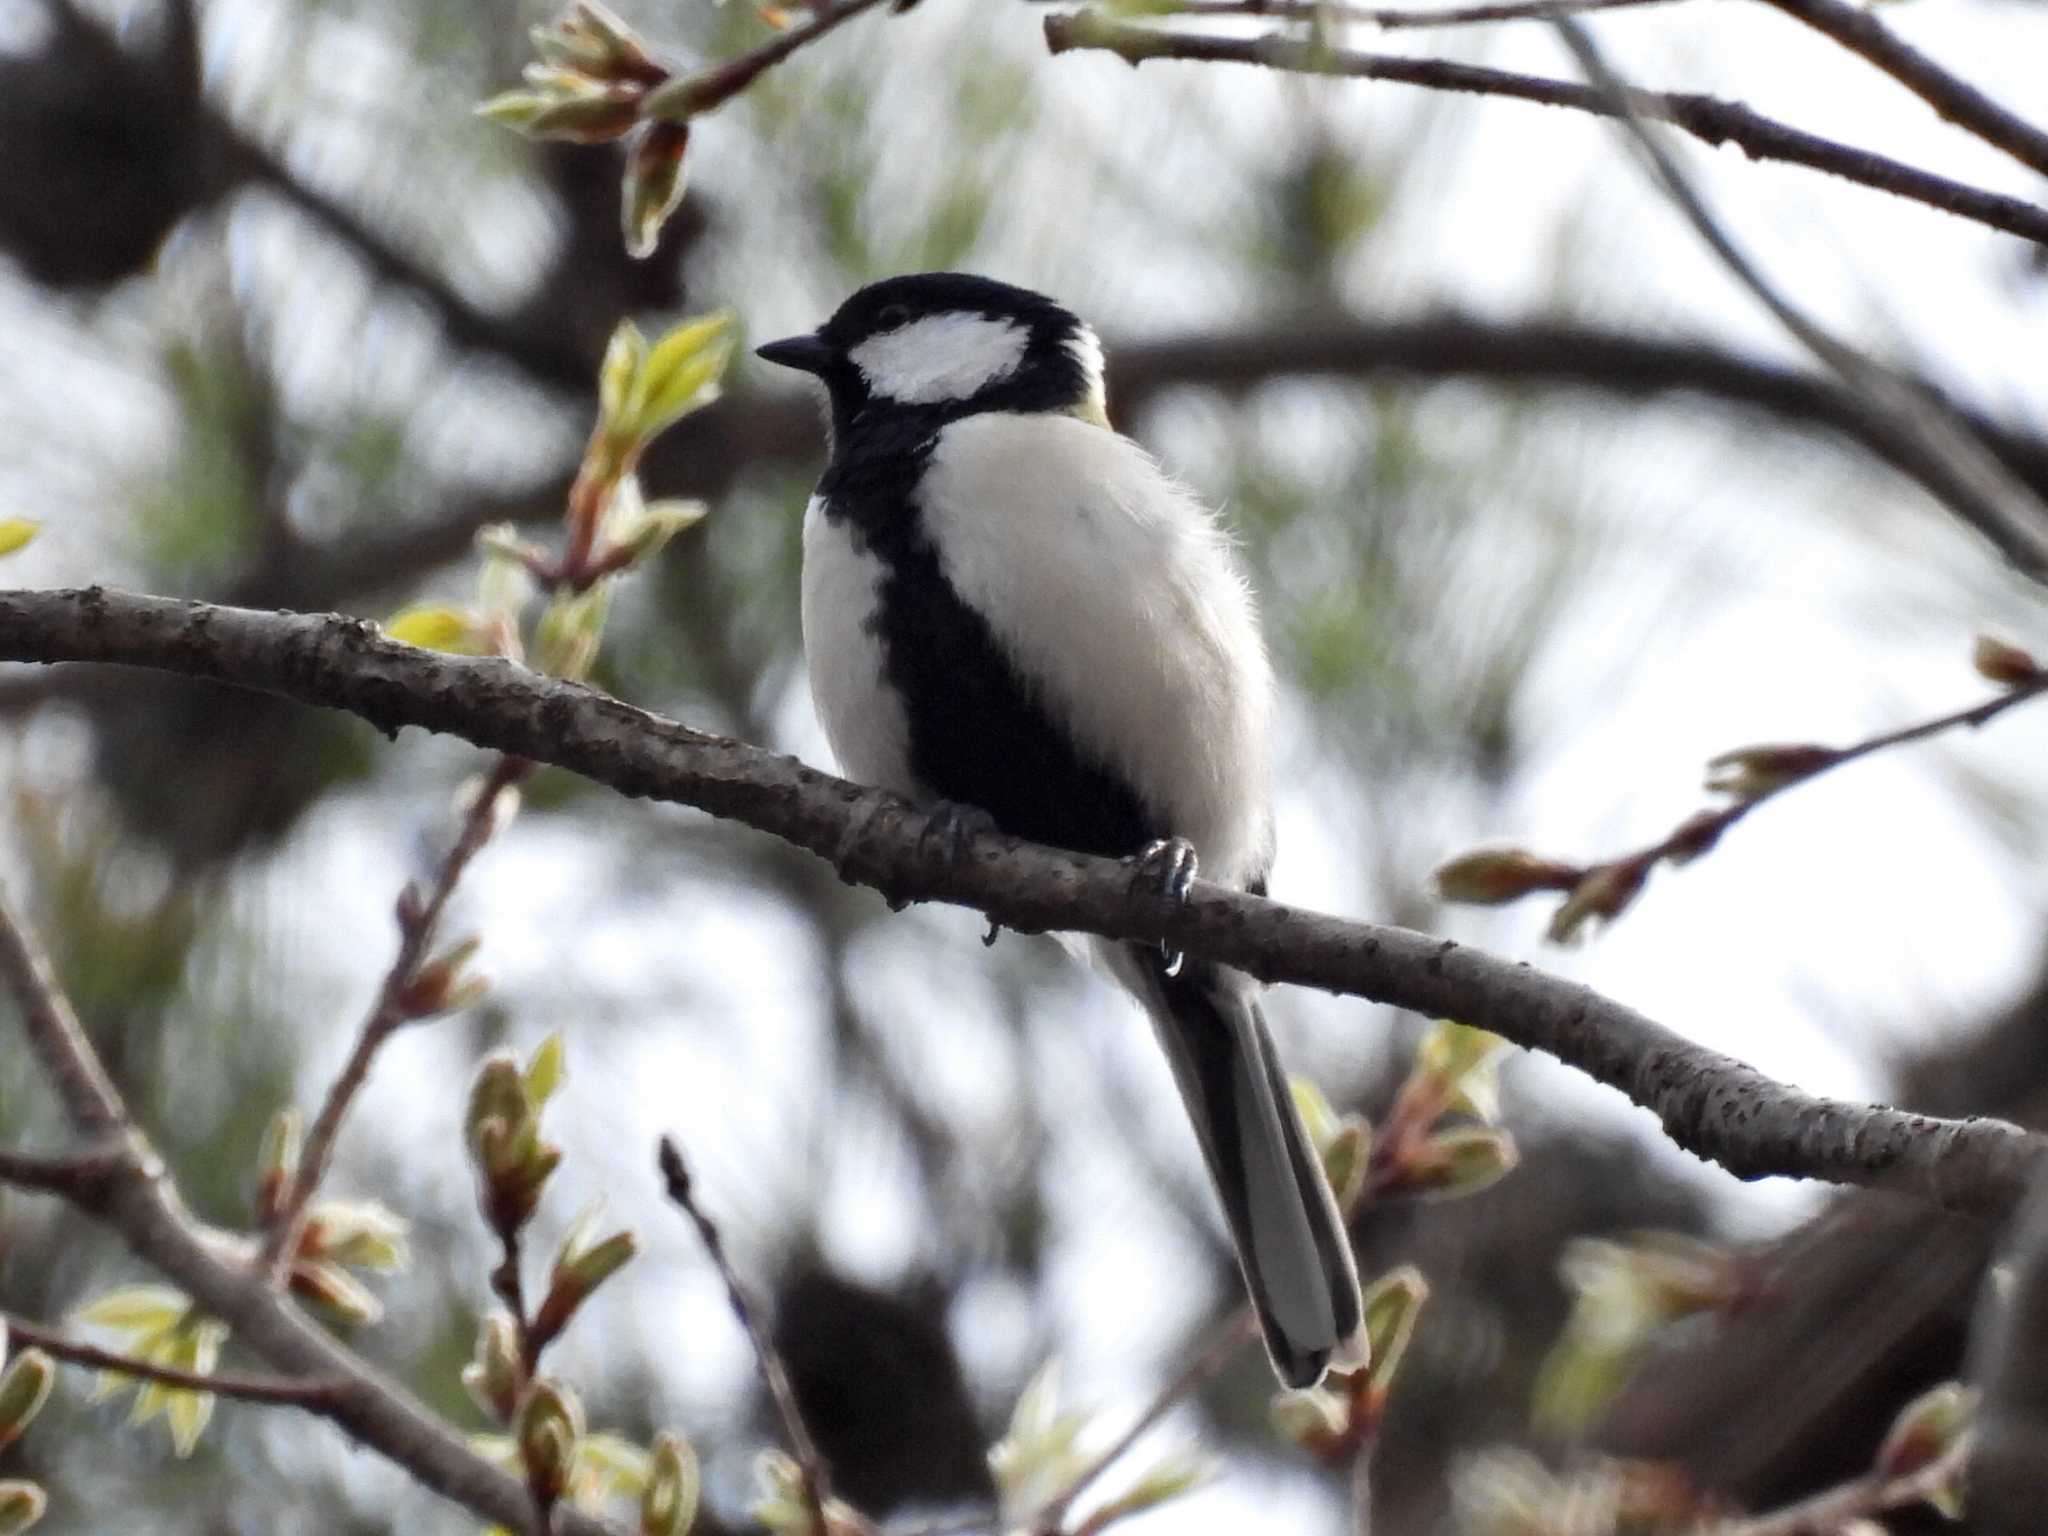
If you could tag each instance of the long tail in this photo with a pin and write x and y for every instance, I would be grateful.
(1290, 1240)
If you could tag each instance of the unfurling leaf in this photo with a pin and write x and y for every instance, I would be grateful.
(1602, 896)
(1392, 1303)
(136, 1309)
(24, 1388)
(668, 1504)
(549, 1433)
(546, 1068)
(1750, 773)
(21, 1505)
(653, 185)
(362, 1234)
(496, 1376)
(1457, 1162)
(15, 532)
(1927, 1429)
(1491, 877)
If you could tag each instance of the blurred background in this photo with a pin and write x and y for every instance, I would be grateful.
(283, 324)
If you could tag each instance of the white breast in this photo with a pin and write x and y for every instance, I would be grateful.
(862, 716)
(1115, 592)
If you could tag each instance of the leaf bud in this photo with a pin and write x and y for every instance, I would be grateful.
(549, 1432)
(21, 1505)
(24, 1388)
(1998, 660)
(1493, 876)
(668, 1504)
(495, 1376)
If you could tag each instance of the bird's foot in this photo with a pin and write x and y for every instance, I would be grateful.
(952, 827)
(1166, 868)
(849, 855)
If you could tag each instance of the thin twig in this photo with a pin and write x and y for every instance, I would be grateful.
(717, 85)
(1864, 34)
(1191, 1378)
(279, 1391)
(1828, 1513)
(419, 918)
(54, 1033)
(1391, 18)
(1607, 888)
(1704, 117)
(810, 1465)
(1976, 486)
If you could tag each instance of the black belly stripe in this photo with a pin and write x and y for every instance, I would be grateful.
(978, 732)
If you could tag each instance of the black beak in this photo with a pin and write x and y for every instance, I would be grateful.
(806, 354)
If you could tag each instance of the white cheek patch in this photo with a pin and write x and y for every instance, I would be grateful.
(1086, 350)
(941, 357)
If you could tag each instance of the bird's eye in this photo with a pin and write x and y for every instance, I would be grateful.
(892, 317)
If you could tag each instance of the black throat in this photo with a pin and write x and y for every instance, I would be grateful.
(980, 732)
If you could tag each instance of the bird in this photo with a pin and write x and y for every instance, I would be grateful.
(1013, 615)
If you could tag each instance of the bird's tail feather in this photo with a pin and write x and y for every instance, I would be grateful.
(1290, 1240)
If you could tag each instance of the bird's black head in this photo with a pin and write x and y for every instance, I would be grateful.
(941, 345)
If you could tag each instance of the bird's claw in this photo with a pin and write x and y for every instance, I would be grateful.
(954, 827)
(1166, 868)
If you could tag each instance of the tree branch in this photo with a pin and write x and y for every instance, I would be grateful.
(90, 1099)
(811, 1469)
(707, 452)
(277, 1391)
(1862, 33)
(77, 1176)
(1752, 775)
(1704, 117)
(1973, 484)
(1713, 1105)
(2008, 1363)
(135, 1197)
(1393, 17)
(419, 919)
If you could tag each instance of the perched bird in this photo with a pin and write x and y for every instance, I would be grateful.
(1009, 607)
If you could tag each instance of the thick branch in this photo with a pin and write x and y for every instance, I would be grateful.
(74, 1176)
(2009, 1365)
(1705, 117)
(1711, 1104)
(706, 453)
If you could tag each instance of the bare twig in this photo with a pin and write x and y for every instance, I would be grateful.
(810, 1465)
(278, 1391)
(1704, 117)
(1830, 1513)
(1966, 476)
(90, 1099)
(1713, 1105)
(1863, 33)
(419, 918)
(1753, 775)
(717, 85)
(1391, 18)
